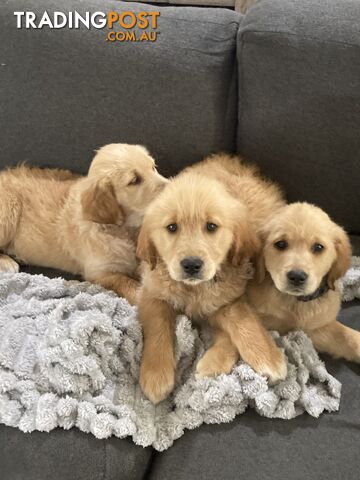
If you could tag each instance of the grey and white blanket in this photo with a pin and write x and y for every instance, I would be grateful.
(70, 353)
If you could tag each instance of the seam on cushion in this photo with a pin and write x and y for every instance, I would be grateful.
(185, 6)
(288, 34)
(240, 66)
(201, 21)
(105, 476)
(174, 18)
(150, 465)
(196, 21)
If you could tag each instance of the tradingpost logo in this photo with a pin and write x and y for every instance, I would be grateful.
(134, 27)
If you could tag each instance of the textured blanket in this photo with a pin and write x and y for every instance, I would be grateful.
(70, 353)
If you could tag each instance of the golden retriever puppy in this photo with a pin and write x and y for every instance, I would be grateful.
(304, 255)
(84, 225)
(196, 242)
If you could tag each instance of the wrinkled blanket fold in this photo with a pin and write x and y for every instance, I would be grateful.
(70, 354)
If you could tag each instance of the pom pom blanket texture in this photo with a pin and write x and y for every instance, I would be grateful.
(70, 355)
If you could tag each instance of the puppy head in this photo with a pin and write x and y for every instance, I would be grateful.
(121, 178)
(195, 226)
(302, 246)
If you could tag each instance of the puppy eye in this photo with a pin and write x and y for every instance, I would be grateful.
(211, 227)
(136, 180)
(172, 227)
(317, 247)
(281, 245)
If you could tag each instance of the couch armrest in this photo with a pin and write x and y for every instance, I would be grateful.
(299, 100)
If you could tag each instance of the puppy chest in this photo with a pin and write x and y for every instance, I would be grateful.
(200, 303)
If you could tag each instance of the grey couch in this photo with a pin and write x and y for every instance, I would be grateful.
(280, 85)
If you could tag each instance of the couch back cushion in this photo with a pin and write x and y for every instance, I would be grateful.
(66, 92)
(299, 100)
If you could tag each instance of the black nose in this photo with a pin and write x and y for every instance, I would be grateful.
(297, 277)
(191, 265)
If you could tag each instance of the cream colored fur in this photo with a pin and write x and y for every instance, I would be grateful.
(302, 225)
(83, 225)
(222, 191)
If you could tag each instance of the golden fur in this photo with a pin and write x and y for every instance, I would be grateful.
(302, 225)
(223, 192)
(84, 225)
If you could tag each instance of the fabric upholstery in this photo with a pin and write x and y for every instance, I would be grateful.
(71, 455)
(255, 448)
(250, 447)
(65, 92)
(299, 100)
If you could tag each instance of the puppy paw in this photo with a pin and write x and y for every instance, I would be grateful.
(156, 383)
(8, 265)
(275, 369)
(211, 364)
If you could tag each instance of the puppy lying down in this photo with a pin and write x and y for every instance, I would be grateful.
(305, 253)
(296, 286)
(196, 241)
(83, 225)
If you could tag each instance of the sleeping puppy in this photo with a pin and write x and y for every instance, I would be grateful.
(304, 255)
(84, 225)
(196, 242)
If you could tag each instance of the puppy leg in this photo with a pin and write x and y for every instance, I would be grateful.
(254, 343)
(119, 283)
(8, 265)
(219, 358)
(157, 371)
(337, 340)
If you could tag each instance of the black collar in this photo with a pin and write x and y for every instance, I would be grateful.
(323, 288)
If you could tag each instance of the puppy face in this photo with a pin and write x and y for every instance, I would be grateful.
(302, 246)
(194, 226)
(122, 178)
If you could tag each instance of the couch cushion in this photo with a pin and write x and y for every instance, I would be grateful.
(252, 447)
(66, 92)
(70, 454)
(61, 455)
(250, 444)
(299, 100)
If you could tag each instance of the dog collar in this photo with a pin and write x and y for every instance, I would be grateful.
(323, 288)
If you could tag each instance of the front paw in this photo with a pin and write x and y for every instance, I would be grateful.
(156, 383)
(275, 368)
(211, 364)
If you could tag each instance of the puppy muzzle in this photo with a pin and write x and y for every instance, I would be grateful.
(192, 268)
(296, 280)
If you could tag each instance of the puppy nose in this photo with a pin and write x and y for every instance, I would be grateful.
(297, 277)
(191, 265)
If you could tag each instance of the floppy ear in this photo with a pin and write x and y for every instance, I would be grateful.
(260, 269)
(245, 244)
(99, 203)
(145, 249)
(343, 257)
